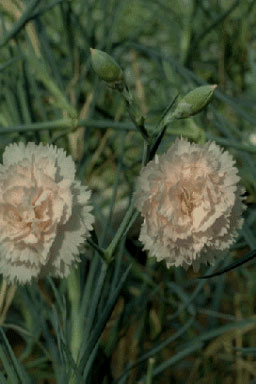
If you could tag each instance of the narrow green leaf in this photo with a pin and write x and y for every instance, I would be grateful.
(90, 316)
(176, 358)
(245, 351)
(2, 378)
(242, 260)
(197, 343)
(158, 348)
(25, 17)
(90, 361)
(21, 373)
(160, 135)
(11, 374)
(9, 62)
(221, 330)
(71, 362)
(100, 324)
(192, 297)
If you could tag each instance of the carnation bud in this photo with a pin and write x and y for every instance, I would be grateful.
(106, 67)
(194, 101)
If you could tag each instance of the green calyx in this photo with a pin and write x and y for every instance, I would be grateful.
(106, 67)
(194, 101)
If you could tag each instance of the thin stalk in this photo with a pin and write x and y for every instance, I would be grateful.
(69, 125)
(134, 113)
(129, 217)
(120, 232)
(151, 363)
(73, 285)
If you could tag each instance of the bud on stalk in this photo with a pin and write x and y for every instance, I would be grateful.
(194, 101)
(106, 67)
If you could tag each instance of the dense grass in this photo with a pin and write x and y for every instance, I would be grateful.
(139, 322)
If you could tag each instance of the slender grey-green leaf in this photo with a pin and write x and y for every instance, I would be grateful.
(25, 17)
(176, 358)
(9, 369)
(242, 260)
(99, 326)
(21, 373)
(158, 348)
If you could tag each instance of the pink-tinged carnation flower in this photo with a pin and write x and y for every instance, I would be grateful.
(191, 204)
(45, 215)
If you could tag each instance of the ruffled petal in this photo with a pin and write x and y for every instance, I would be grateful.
(191, 203)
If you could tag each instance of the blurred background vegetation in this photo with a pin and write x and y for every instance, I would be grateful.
(164, 326)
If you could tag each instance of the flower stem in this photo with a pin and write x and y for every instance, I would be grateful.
(128, 219)
(73, 282)
(134, 112)
(120, 232)
(151, 363)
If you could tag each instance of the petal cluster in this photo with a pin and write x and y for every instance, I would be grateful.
(45, 215)
(191, 203)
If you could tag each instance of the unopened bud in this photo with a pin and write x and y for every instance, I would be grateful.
(194, 101)
(106, 67)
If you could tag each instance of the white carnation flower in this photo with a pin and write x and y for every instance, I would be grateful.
(45, 215)
(191, 204)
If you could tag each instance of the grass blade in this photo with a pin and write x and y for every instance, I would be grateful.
(242, 260)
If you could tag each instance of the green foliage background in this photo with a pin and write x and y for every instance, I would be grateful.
(148, 324)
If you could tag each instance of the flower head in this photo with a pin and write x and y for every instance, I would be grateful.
(191, 204)
(44, 213)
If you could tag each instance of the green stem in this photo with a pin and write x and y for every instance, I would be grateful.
(120, 232)
(73, 286)
(128, 219)
(151, 363)
(70, 125)
(134, 113)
